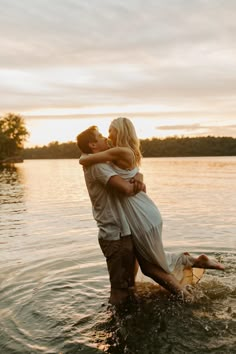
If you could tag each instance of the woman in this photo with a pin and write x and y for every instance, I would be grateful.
(144, 218)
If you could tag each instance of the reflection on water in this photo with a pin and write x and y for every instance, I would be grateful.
(11, 185)
(156, 324)
(11, 201)
(53, 281)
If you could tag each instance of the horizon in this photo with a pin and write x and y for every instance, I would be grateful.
(66, 130)
(26, 146)
(169, 67)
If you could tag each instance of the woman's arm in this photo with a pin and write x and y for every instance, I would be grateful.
(113, 154)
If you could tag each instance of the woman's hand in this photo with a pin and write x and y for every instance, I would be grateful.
(82, 159)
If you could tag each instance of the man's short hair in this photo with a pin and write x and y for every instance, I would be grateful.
(86, 137)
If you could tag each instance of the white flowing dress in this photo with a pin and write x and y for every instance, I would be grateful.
(145, 222)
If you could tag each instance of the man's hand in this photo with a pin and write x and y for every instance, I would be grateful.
(137, 181)
(130, 188)
(138, 186)
(139, 177)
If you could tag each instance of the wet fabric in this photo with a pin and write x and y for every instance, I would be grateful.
(120, 258)
(145, 222)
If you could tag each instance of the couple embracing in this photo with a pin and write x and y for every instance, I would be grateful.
(129, 223)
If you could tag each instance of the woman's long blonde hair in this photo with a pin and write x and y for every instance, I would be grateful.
(127, 137)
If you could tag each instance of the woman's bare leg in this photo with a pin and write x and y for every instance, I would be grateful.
(166, 280)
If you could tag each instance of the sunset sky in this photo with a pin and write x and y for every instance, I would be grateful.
(169, 65)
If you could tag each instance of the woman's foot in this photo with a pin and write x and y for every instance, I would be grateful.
(204, 262)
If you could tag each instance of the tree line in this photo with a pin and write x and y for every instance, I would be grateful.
(168, 147)
(13, 134)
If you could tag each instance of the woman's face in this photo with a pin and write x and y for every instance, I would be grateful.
(112, 135)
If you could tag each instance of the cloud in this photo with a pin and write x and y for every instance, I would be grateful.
(198, 129)
(180, 127)
(75, 54)
(66, 32)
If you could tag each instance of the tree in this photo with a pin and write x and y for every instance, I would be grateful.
(13, 134)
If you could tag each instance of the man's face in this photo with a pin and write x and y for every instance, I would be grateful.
(101, 142)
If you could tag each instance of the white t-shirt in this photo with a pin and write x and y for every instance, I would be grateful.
(107, 210)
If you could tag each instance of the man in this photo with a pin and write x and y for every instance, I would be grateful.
(114, 233)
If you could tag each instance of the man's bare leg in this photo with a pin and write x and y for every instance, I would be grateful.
(118, 296)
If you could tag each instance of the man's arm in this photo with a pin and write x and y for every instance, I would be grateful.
(127, 188)
(106, 175)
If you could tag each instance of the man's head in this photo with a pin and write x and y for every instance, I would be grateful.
(91, 141)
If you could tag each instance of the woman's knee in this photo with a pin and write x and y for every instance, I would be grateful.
(147, 270)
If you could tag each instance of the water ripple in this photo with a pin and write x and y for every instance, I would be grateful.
(54, 285)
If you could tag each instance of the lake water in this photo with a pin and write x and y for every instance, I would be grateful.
(54, 284)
